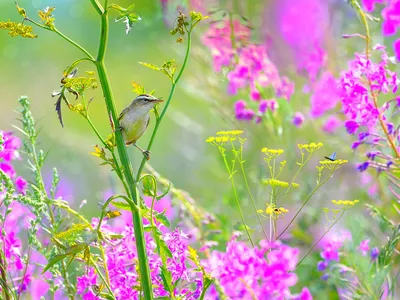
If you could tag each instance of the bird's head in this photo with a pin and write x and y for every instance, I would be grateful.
(145, 102)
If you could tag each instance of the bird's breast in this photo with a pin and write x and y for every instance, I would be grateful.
(133, 126)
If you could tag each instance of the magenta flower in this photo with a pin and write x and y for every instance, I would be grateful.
(357, 103)
(332, 244)
(264, 272)
(396, 46)
(369, 5)
(391, 17)
(121, 262)
(364, 247)
(332, 124)
(326, 95)
(21, 184)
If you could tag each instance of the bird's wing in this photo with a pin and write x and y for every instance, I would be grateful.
(148, 122)
(123, 112)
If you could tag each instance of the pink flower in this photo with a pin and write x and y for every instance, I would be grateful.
(266, 271)
(21, 184)
(391, 17)
(326, 95)
(332, 243)
(364, 247)
(396, 46)
(369, 5)
(332, 124)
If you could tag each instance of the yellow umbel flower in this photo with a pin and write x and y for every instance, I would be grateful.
(223, 137)
(272, 211)
(18, 29)
(333, 165)
(310, 147)
(271, 153)
(80, 84)
(279, 183)
(344, 204)
(231, 132)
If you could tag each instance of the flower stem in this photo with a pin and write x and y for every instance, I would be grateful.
(316, 243)
(374, 97)
(230, 172)
(171, 93)
(305, 202)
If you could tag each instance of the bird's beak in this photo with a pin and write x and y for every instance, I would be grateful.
(157, 100)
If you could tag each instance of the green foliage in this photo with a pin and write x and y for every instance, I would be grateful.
(126, 15)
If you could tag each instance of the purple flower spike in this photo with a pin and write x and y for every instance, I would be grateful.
(322, 265)
(325, 277)
(298, 119)
(351, 126)
(374, 253)
(362, 167)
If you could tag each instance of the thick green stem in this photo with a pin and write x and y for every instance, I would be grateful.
(126, 164)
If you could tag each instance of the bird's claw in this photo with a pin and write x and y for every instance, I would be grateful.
(146, 154)
(119, 129)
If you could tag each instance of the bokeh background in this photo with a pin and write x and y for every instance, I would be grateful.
(200, 106)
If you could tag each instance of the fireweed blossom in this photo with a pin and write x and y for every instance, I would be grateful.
(312, 16)
(12, 223)
(250, 71)
(361, 85)
(326, 95)
(263, 272)
(121, 259)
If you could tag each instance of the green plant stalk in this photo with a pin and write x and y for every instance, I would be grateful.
(304, 203)
(51, 214)
(322, 236)
(252, 199)
(171, 93)
(3, 275)
(118, 169)
(237, 198)
(126, 164)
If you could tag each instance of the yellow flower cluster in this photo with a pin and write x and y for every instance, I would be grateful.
(80, 84)
(224, 136)
(230, 132)
(273, 211)
(279, 183)
(18, 29)
(272, 152)
(345, 203)
(333, 165)
(310, 147)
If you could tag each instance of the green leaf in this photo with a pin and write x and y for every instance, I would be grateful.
(151, 66)
(53, 261)
(162, 218)
(166, 191)
(166, 277)
(148, 185)
(121, 205)
(162, 247)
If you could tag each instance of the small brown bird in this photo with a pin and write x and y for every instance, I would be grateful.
(135, 118)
